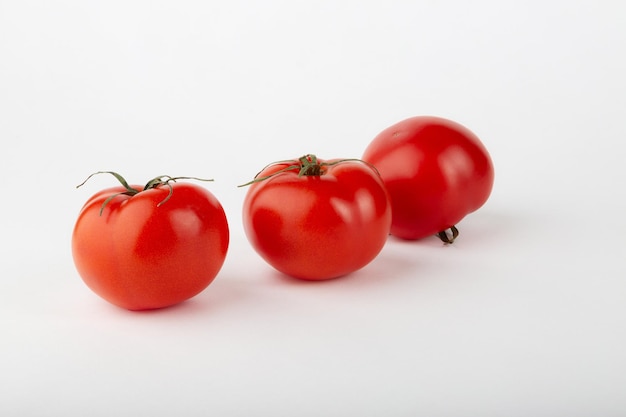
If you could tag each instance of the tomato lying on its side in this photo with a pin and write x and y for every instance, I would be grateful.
(436, 172)
(150, 247)
(317, 219)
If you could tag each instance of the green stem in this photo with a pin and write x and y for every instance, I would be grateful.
(310, 166)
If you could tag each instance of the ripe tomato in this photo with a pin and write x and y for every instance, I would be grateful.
(150, 247)
(315, 219)
(436, 172)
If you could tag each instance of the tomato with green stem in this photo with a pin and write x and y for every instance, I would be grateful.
(317, 219)
(436, 171)
(152, 246)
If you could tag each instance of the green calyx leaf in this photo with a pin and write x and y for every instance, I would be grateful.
(130, 191)
(307, 165)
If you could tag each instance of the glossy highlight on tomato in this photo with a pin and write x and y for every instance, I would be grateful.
(150, 247)
(317, 219)
(436, 171)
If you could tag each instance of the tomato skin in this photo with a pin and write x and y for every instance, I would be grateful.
(318, 227)
(436, 171)
(139, 256)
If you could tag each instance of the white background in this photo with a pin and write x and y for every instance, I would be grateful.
(525, 315)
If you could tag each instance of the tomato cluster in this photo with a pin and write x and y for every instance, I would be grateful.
(153, 246)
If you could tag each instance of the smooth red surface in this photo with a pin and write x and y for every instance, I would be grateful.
(140, 256)
(318, 227)
(436, 172)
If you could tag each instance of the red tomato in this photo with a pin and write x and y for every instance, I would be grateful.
(315, 219)
(436, 172)
(150, 247)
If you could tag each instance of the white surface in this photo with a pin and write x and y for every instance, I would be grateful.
(524, 316)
